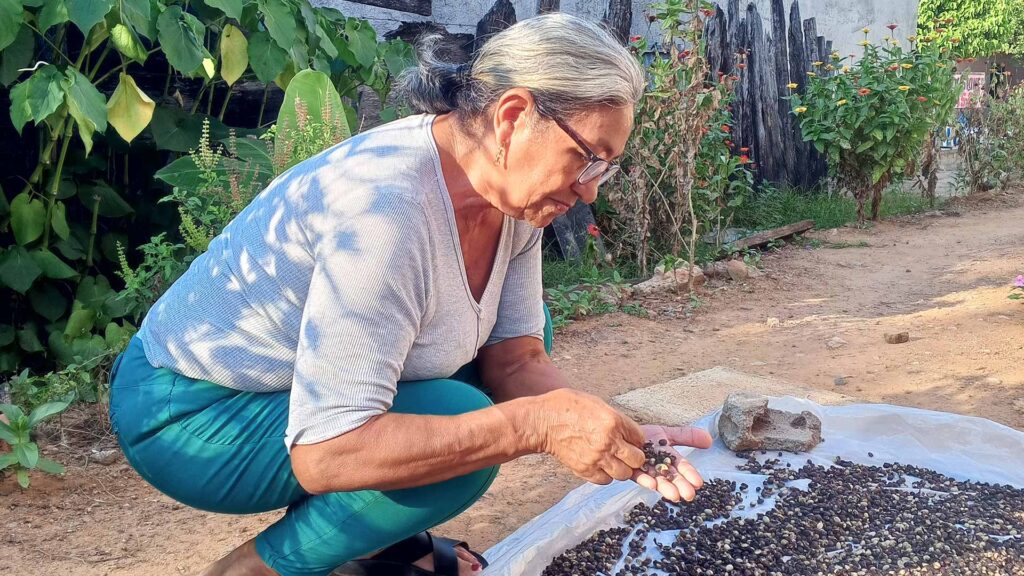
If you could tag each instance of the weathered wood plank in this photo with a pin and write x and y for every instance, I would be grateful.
(767, 236)
(421, 7)
(499, 17)
(787, 157)
(545, 6)
(770, 142)
(571, 231)
(619, 18)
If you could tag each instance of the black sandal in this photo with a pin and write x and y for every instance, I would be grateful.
(397, 559)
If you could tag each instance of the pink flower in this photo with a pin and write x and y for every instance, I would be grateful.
(593, 230)
(1019, 281)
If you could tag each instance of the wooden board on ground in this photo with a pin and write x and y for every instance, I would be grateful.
(689, 398)
(773, 234)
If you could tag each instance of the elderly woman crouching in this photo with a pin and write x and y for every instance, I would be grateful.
(366, 342)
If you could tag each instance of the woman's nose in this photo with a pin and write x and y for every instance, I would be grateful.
(587, 192)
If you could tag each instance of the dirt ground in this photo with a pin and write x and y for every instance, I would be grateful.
(943, 278)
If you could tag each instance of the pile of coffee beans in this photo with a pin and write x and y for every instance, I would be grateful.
(659, 462)
(840, 519)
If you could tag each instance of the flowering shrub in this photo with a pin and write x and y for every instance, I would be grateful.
(682, 174)
(991, 139)
(1018, 288)
(870, 117)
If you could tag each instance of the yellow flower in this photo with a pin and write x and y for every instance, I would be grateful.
(845, 69)
(913, 38)
(811, 74)
(864, 43)
(904, 88)
(907, 66)
(835, 56)
(866, 30)
(800, 109)
(817, 63)
(941, 65)
(830, 67)
(791, 85)
(841, 102)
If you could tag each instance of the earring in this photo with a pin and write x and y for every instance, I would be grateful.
(500, 157)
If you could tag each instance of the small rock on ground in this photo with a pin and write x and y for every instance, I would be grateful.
(835, 343)
(897, 338)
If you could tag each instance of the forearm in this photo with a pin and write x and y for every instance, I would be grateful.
(533, 376)
(394, 451)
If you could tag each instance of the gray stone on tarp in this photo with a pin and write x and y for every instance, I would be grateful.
(747, 423)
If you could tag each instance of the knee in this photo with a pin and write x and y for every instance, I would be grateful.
(439, 397)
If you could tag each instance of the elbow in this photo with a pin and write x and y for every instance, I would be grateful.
(309, 465)
(340, 464)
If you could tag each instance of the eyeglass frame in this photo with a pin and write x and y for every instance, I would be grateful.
(592, 157)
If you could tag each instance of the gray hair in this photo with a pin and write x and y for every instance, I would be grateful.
(569, 65)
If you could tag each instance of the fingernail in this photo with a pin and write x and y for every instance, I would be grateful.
(475, 567)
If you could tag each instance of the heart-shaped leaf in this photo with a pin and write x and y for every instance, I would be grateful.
(18, 270)
(10, 22)
(181, 45)
(267, 58)
(28, 218)
(86, 14)
(234, 54)
(129, 110)
(127, 42)
(52, 266)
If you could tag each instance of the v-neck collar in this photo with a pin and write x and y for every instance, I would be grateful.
(454, 229)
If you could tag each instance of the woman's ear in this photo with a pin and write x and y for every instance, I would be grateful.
(510, 113)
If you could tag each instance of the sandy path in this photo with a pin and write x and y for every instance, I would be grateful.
(943, 279)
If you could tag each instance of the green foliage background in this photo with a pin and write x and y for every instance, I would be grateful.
(985, 27)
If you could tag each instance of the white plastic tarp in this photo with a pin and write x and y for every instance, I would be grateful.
(962, 447)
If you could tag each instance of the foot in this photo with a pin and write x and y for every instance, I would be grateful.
(468, 564)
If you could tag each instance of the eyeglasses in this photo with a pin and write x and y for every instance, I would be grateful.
(597, 168)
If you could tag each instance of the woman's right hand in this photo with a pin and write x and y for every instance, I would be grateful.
(591, 438)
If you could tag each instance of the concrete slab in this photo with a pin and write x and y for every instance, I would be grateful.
(687, 399)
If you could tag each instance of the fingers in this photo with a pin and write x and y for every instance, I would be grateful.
(617, 469)
(688, 436)
(668, 489)
(633, 433)
(633, 457)
(646, 480)
(688, 473)
(686, 490)
(598, 477)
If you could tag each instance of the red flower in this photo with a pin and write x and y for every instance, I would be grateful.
(704, 130)
(734, 77)
(741, 65)
(720, 74)
(894, 67)
(707, 12)
(634, 38)
(892, 26)
(726, 128)
(922, 99)
(593, 230)
(864, 91)
(744, 159)
(728, 143)
(744, 150)
(684, 54)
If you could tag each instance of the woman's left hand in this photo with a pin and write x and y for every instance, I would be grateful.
(687, 480)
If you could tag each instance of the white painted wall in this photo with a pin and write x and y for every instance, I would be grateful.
(838, 20)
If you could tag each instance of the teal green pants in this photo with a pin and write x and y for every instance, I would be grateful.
(222, 450)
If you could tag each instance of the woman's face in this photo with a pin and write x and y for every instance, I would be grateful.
(542, 162)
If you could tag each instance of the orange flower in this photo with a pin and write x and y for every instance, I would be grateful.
(894, 67)
(864, 91)
(744, 150)
(741, 66)
(922, 99)
(744, 159)
(726, 128)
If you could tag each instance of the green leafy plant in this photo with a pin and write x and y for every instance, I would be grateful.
(62, 227)
(870, 117)
(681, 174)
(990, 141)
(16, 432)
(987, 27)
(214, 182)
